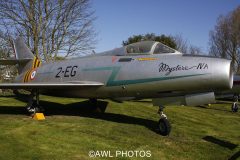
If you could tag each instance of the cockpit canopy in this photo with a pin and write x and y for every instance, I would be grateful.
(142, 48)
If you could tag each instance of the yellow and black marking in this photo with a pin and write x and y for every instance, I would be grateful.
(27, 76)
(147, 59)
(36, 63)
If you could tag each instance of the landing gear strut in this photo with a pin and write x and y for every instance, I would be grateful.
(163, 124)
(235, 103)
(98, 106)
(235, 107)
(33, 102)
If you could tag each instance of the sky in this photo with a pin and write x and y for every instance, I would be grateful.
(192, 19)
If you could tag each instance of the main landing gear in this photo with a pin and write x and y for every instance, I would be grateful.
(98, 106)
(33, 103)
(164, 126)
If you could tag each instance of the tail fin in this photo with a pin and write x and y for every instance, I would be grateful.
(24, 57)
(21, 50)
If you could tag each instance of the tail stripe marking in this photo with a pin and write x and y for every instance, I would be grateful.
(36, 63)
(26, 77)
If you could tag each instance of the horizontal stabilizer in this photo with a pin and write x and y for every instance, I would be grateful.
(51, 85)
(13, 61)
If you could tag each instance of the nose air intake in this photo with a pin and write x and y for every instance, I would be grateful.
(224, 72)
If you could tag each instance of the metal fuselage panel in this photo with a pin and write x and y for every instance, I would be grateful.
(142, 76)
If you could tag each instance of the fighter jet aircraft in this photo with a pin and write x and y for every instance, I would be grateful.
(145, 69)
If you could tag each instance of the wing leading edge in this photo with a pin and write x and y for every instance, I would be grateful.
(49, 85)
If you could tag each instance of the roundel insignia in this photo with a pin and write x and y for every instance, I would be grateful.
(33, 74)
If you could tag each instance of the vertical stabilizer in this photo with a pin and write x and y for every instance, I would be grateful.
(21, 50)
(23, 53)
(25, 60)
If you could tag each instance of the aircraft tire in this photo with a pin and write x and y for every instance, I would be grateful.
(235, 108)
(164, 127)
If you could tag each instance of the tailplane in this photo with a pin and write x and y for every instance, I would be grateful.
(25, 60)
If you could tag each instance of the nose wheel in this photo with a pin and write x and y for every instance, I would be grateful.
(235, 103)
(164, 126)
(235, 107)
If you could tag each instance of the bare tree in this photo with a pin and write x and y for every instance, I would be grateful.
(219, 38)
(184, 47)
(6, 46)
(225, 38)
(50, 28)
(182, 44)
(194, 50)
(6, 51)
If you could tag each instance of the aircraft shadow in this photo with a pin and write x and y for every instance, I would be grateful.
(235, 156)
(8, 96)
(217, 109)
(220, 142)
(13, 110)
(83, 109)
(225, 144)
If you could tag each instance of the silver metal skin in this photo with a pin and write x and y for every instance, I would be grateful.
(136, 78)
(123, 74)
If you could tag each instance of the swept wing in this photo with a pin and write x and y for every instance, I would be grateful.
(50, 85)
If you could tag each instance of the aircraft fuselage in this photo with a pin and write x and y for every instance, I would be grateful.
(140, 76)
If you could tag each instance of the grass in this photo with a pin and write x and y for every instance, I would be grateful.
(70, 130)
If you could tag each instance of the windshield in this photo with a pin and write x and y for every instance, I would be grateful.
(161, 48)
(140, 47)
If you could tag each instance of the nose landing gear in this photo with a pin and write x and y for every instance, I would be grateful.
(235, 103)
(164, 126)
(235, 107)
